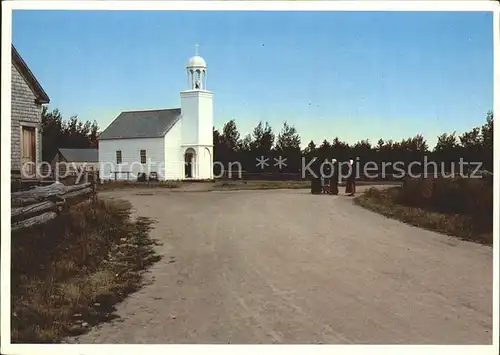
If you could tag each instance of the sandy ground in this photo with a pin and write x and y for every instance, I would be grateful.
(285, 266)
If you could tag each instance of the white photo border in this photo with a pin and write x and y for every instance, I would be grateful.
(8, 6)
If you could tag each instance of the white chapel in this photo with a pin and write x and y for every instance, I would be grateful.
(171, 144)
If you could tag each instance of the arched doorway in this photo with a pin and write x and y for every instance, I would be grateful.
(208, 154)
(189, 162)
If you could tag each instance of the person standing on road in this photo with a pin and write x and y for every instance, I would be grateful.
(350, 187)
(334, 183)
(316, 179)
(326, 176)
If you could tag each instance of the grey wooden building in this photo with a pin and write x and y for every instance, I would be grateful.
(27, 98)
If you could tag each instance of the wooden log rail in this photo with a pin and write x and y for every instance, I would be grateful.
(43, 203)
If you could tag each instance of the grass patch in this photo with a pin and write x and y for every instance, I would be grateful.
(115, 185)
(282, 184)
(222, 185)
(67, 275)
(260, 185)
(388, 202)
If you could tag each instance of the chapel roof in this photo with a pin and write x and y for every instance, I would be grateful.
(141, 124)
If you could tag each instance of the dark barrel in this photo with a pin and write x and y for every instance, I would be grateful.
(320, 179)
(315, 185)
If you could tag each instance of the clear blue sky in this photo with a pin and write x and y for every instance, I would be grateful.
(355, 75)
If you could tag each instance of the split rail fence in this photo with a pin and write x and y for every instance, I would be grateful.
(44, 203)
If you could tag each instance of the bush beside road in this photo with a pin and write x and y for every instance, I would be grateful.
(458, 207)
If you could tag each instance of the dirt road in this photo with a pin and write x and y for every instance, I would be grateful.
(285, 266)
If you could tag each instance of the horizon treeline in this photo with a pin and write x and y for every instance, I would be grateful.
(475, 145)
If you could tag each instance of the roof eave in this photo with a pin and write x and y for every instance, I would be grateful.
(145, 137)
(18, 61)
(171, 125)
(62, 155)
(42, 101)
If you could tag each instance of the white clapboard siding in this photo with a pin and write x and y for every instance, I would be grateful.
(131, 158)
(174, 155)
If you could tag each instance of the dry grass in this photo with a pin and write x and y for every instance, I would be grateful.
(281, 184)
(68, 275)
(113, 185)
(218, 185)
(224, 184)
(260, 185)
(419, 208)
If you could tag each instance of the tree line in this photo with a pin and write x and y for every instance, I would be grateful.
(475, 145)
(70, 133)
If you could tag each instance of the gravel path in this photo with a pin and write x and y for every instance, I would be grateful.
(285, 266)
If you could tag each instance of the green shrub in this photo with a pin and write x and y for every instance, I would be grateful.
(475, 225)
(449, 195)
(416, 192)
(471, 198)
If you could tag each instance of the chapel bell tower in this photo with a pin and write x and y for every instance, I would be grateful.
(197, 121)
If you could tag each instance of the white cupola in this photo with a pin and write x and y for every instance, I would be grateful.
(197, 72)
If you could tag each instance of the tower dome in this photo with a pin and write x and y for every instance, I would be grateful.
(197, 72)
(196, 62)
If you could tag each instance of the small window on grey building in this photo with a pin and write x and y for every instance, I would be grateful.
(118, 157)
(143, 157)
